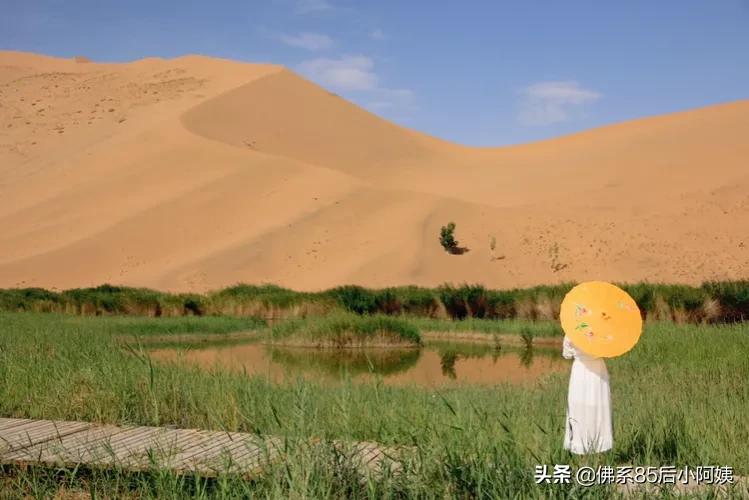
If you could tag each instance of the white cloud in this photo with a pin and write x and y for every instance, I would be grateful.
(546, 103)
(308, 41)
(357, 74)
(309, 6)
(377, 35)
(385, 99)
(345, 73)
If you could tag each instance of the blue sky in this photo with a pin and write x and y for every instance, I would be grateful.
(474, 72)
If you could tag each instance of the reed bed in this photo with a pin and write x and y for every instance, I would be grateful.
(342, 330)
(711, 302)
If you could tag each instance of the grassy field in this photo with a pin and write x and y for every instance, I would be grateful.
(680, 398)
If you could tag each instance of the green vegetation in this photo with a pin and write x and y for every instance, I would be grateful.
(348, 361)
(346, 330)
(680, 398)
(712, 302)
(268, 301)
(447, 238)
(186, 325)
(487, 326)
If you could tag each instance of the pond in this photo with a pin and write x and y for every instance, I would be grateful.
(435, 364)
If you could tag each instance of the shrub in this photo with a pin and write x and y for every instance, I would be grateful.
(265, 294)
(193, 305)
(501, 304)
(386, 301)
(356, 299)
(464, 301)
(733, 297)
(454, 304)
(417, 301)
(447, 238)
(643, 295)
(107, 299)
(29, 299)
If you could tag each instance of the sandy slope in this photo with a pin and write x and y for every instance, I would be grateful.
(195, 173)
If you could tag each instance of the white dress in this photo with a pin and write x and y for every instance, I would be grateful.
(588, 426)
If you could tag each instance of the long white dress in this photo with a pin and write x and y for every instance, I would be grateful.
(588, 426)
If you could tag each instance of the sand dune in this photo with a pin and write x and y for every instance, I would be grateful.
(195, 173)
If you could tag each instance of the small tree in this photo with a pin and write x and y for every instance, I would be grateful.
(447, 238)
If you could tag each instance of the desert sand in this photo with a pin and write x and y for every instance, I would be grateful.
(197, 173)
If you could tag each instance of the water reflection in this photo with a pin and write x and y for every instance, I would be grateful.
(435, 364)
(447, 362)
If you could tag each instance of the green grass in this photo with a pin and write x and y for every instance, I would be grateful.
(712, 302)
(350, 361)
(680, 398)
(488, 326)
(346, 330)
(133, 326)
(206, 325)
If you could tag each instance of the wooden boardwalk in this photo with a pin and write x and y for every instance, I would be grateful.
(136, 448)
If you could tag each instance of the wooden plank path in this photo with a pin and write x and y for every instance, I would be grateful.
(139, 448)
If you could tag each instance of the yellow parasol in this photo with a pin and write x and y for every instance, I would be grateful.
(601, 319)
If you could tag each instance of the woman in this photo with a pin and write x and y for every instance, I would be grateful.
(588, 428)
